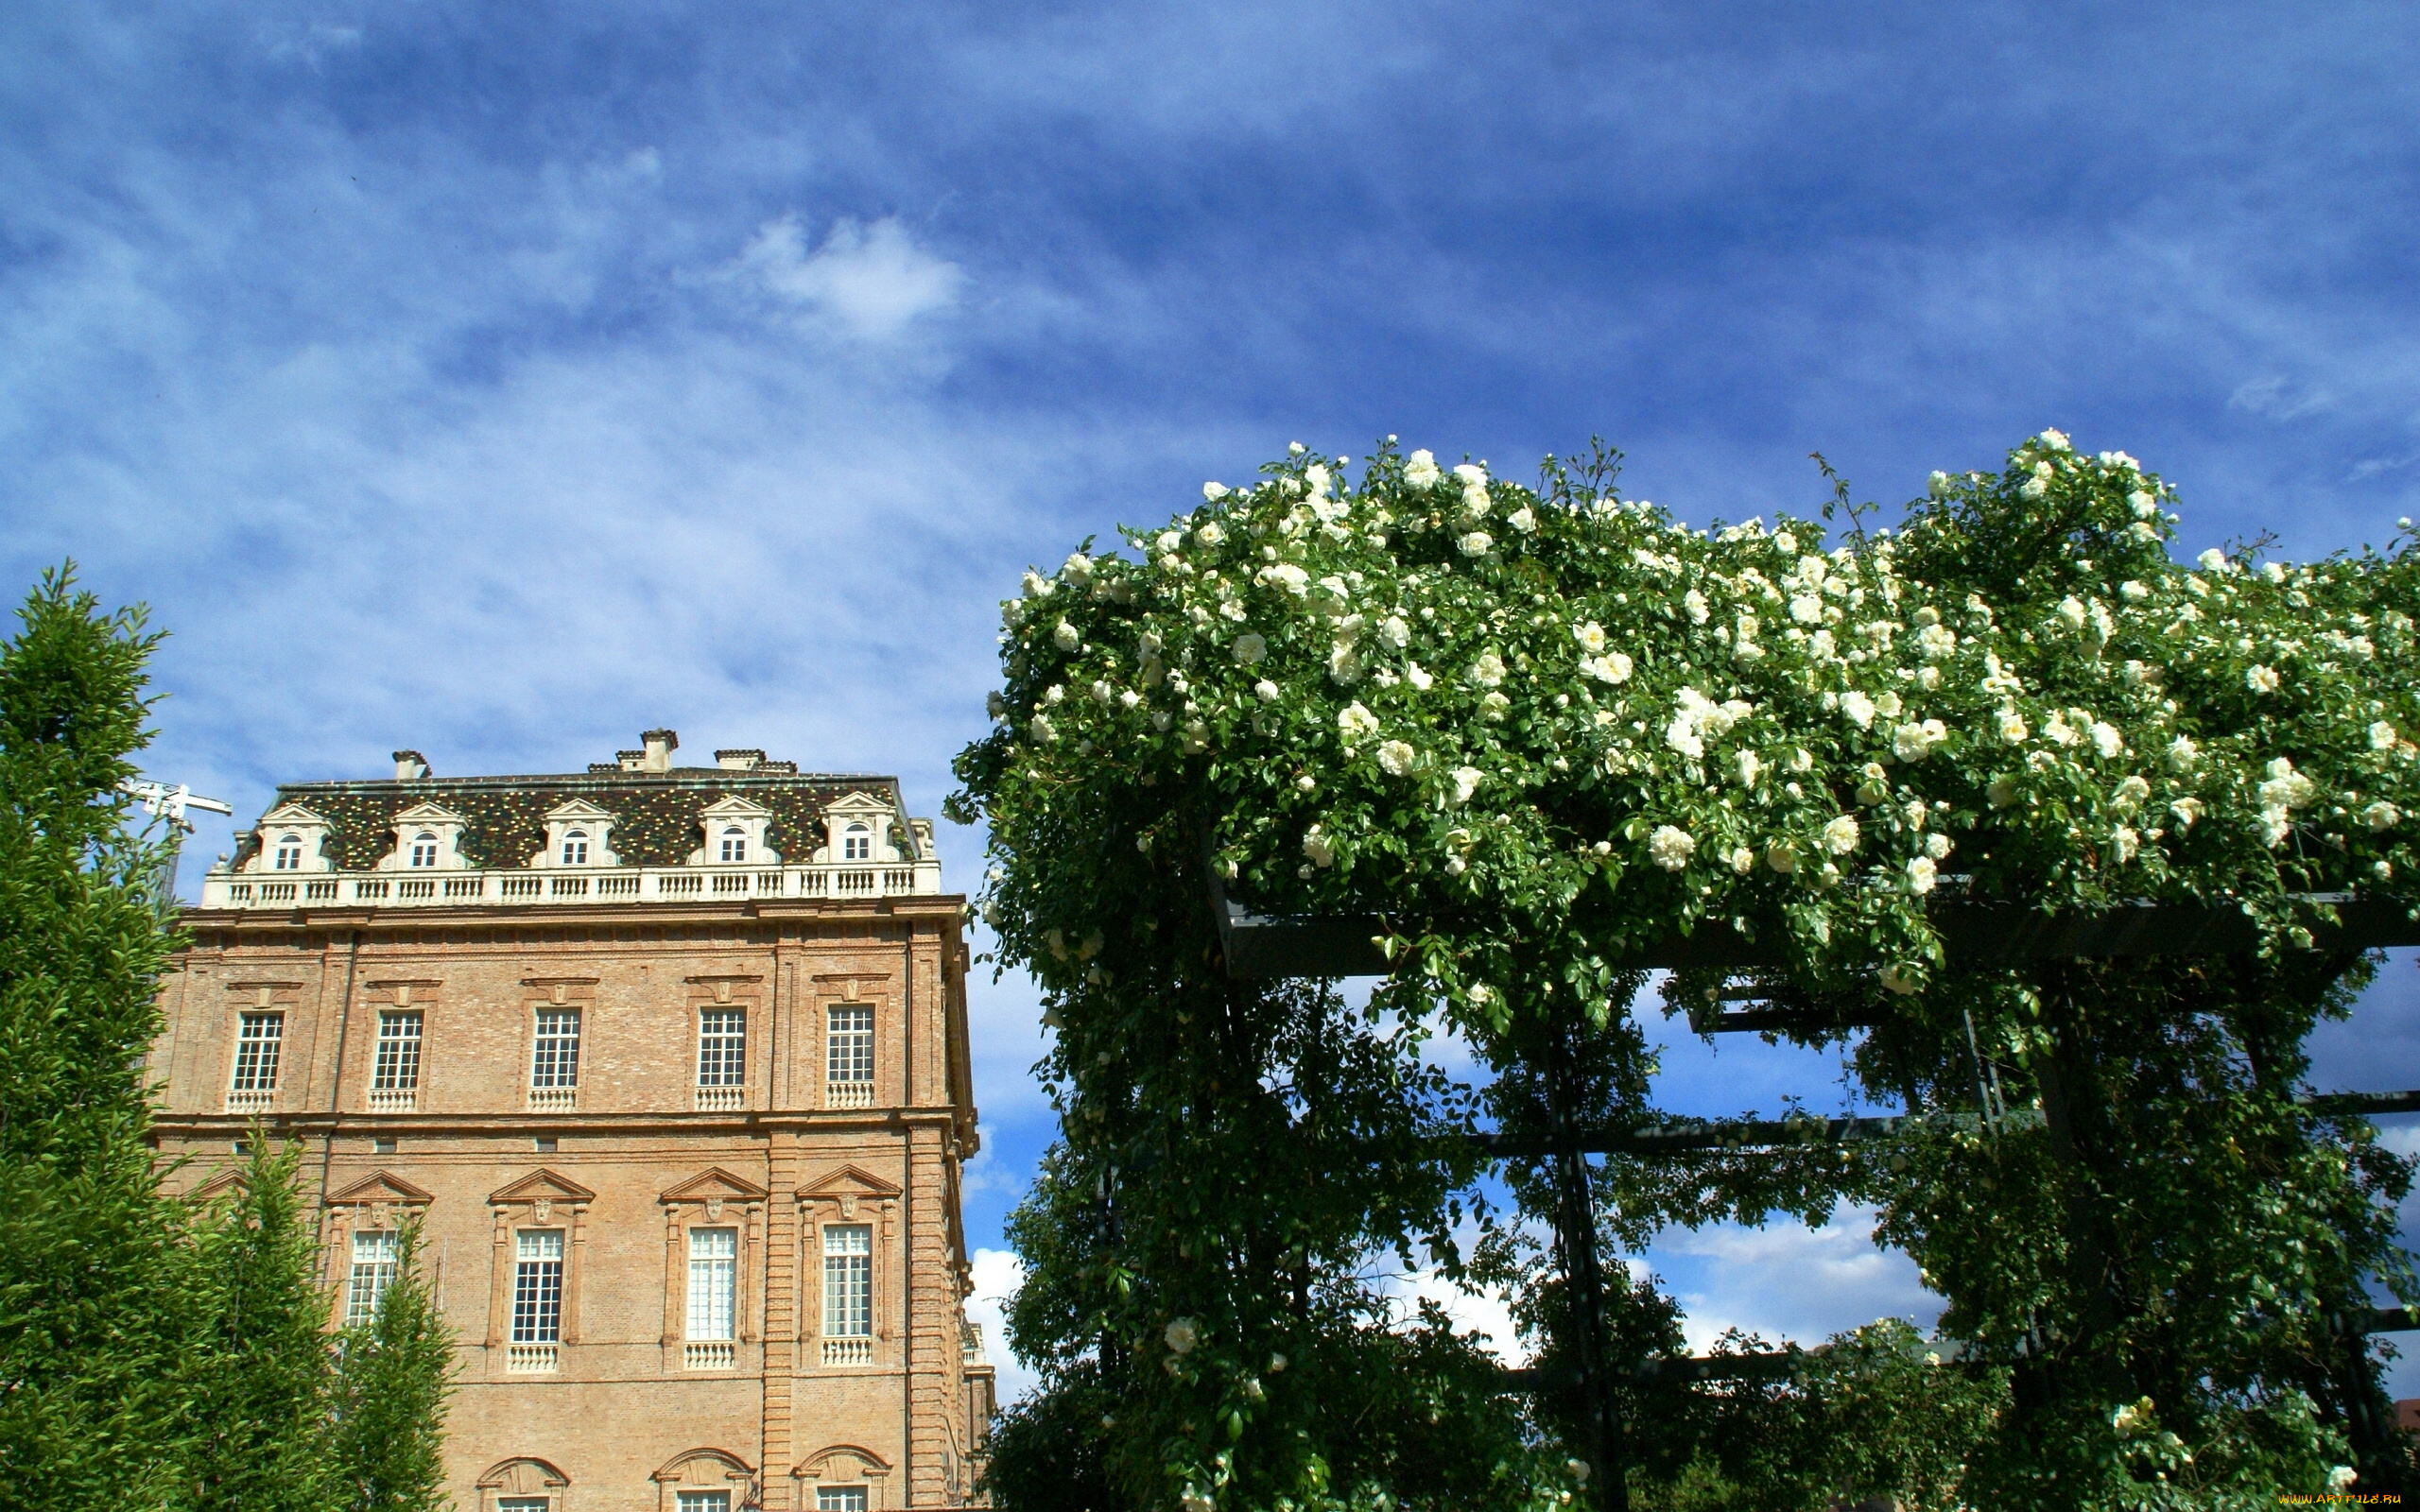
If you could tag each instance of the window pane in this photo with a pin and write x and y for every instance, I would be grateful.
(538, 1286)
(556, 1061)
(840, 1498)
(722, 1047)
(398, 1066)
(257, 1042)
(848, 1280)
(374, 1257)
(521, 1503)
(850, 1044)
(713, 1265)
(704, 1502)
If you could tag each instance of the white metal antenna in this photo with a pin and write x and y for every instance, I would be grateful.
(164, 801)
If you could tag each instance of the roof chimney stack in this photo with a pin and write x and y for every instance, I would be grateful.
(661, 744)
(411, 766)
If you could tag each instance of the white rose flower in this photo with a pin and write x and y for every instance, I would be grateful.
(2001, 792)
(1012, 614)
(1859, 708)
(1682, 735)
(1317, 848)
(1250, 648)
(1896, 979)
(1041, 729)
(1743, 860)
(2340, 1478)
(1807, 610)
(1694, 603)
(1078, 569)
(1610, 667)
(1938, 846)
(1670, 848)
(1212, 493)
(1211, 533)
(2125, 844)
(1396, 757)
(1749, 766)
(1394, 632)
(1888, 704)
(2286, 788)
(2182, 754)
(2130, 794)
(1936, 640)
(2072, 611)
(1840, 835)
(2381, 815)
(2213, 560)
(1782, 856)
(1266, 689)
(1064, 637)
(2106, 740)
(1470, 475)
(1522, 519)
(1476, 544)
(2274, 826)
(1417, 677)
(1102, 693)
(2187, 812)
(1921, 875)
(1128, 698)
(1786, 543)
(2260, 679)
(1488, 671)
(1466, 780)
(2054, 440)
(1357, 723)
(995, 705)
(1054, 693)
(1182, 1336)
(2010, 725)
(1913, 742)
(1495, 706)
(1168, 542)
(2382, 736)
(1591, 637)
(1421, 470)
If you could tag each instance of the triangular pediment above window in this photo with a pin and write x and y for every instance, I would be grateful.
(225, 1184)
(578, 808)
(381, 1187)
(425, 813)
(849, 1181)
(858, 803)
(713, 1183)
(293, 814)
(541, 1186)
(735, 807)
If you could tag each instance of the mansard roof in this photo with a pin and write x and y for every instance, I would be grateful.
(656, 814)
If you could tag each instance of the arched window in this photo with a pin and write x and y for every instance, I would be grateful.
(857, 843)
(734, 844)
(289, 854)
(423, 849)
(574, 848)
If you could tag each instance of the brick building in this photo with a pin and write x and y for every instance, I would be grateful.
(672, 1063)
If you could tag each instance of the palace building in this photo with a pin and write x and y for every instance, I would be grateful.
(670, 1063)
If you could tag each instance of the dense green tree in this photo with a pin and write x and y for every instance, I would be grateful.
(96, 1295)
(392, 1375)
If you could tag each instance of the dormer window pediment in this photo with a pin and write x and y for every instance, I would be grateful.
(293, 841)
(732, 831)
(863, 829)
(577, 836)
(428, 838)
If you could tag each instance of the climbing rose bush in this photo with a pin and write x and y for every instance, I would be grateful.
(1543, 731)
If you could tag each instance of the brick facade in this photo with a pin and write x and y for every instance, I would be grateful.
(627, 1185)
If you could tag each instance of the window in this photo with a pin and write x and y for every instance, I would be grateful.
(257, 1043)
(289, 854)
(734, 844)
(423, 851)
(542, 1144)
(840, 1498)
(538, 1286)
(857, 843)
(574, 848)
(714, 1272)
(521, 1503)
(703, 1501)
(848, 1280)
(374, 1257)
(397, 1069)
(849, 1045)
(555, 1062)
(722, 1047)
(382, 1144)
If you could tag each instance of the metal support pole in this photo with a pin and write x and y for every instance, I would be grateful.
(1584, 1283)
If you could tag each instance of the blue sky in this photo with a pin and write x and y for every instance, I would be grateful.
(502, 381)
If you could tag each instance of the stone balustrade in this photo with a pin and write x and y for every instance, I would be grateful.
(569, 887)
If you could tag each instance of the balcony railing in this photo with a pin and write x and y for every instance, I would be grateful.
(532, 1359)
(848, 1351)
(848, 1094)
(460, 889)
(394, 1099)
(709, 1356)
(554, 1099)
(721, 1099)
(257, 1102)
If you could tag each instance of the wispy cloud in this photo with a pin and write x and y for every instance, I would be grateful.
(870, 280)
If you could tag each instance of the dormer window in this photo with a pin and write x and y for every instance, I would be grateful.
(423, 849)
(289, 852)
(734, 844)
(575, 848)
(857, 843)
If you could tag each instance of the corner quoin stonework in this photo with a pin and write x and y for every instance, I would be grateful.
(658, 1153)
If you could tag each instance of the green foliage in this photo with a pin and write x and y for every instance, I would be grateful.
(93, 1291)
(260, 1385)
(1542, 733)
(392, 1375)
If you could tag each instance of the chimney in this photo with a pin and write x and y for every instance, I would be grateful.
(411, 766)
(661, 744)
(739, 760)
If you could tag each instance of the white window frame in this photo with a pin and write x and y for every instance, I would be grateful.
(551, 1064)
(848, 1280)
(377, 1258)
(711, 1316)
(538, 1286)
(842, 1499)
(396, 1065)
(723, 1046)
(701, 1500)
(575, 851)
(260, 1045)
(735, 844)
(857, 843)
(423, 849)
(289, 855)
(848, 1049)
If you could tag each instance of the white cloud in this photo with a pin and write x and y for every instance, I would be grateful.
(1485, 1313)
(2280, 399)
(998, 1275)
(870, 280)
(1786, 1281)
